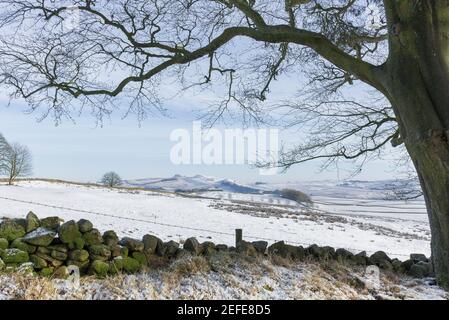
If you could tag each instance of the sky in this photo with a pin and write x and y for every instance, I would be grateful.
(83, 151)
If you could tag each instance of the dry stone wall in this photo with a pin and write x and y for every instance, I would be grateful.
(49, 246)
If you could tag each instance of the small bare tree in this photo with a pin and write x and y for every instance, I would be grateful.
(111, 179)
(4, 149)
(18, 162)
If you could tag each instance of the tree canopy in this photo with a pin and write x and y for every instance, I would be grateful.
(70, 55)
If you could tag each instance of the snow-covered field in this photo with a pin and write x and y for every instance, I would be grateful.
(353, 216)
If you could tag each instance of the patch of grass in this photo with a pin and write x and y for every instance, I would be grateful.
(296, 195)
(156, 262)
(189, 266)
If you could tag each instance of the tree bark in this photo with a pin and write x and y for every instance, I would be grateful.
(417, 85)
(431, 160)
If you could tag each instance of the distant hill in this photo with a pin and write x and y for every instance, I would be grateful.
(381, 189)
(188, 184)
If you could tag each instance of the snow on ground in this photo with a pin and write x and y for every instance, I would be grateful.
(346, 222)
(259, 198)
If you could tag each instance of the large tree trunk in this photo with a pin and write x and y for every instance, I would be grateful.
(428, 146)
(432, 163)
(417, 84)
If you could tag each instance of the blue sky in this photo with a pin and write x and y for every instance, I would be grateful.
(84, 151)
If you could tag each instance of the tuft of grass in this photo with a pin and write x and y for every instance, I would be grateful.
(189, 266)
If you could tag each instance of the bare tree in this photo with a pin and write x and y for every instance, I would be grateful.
(398, 48)
(111, 179)
(18, 162)
(4, 151)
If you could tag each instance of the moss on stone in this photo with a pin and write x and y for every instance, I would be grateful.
(58, 255)
(11, 230)
(132, 244)
(131, 265)
(110, 238)
(58, 247)
(38, 262)
(21, 245)
(43, 250)
(51, 223)
(79, 255)
(140, 256)
(69, 232)
(47, 272)
(78, 243)
(50, 260)
(116, 265)
(85, 225)
(32, 222)
(100, 268)
(124, 252)
(4, 243)
(100, 250)
(40, 237)
(92, 237)
(15, 256)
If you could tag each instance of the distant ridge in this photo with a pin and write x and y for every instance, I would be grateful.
(195, 183)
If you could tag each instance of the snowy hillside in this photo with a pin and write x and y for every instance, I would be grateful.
(195, 183)
(356, 223)
(348, 197)
(346, 189)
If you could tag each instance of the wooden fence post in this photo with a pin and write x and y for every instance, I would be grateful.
(238, 236)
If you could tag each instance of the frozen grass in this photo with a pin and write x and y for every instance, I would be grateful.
(224, 277)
